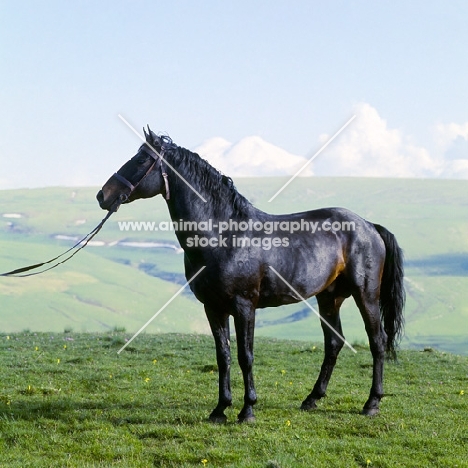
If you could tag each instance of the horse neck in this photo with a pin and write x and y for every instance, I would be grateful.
(222, 202)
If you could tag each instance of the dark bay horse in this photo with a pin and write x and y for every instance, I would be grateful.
(253, 259)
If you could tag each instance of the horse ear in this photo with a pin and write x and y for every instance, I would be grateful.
(150, 133)
(147, 135)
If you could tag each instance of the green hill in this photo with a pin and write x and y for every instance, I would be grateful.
(112, 285)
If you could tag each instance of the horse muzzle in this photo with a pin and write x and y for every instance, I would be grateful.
(112, 205)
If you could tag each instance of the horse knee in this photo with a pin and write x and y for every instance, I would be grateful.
(337, 344)
(378, 344)
(246, 360)
(333, 347)
(224, 363)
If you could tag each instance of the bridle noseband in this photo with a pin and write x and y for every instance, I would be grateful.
(127, 183)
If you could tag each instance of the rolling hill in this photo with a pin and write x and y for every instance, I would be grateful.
(124, 277)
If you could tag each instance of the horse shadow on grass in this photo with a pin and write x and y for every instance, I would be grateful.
(133, 413)
(118, 414)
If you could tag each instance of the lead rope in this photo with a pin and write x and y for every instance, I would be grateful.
(77, 247)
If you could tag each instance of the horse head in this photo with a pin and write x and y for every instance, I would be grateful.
(143, 176)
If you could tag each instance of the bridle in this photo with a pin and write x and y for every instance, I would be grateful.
(157, 158)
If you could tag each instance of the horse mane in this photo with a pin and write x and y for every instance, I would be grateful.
(203, 175)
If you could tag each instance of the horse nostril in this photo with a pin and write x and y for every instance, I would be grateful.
(100, 196)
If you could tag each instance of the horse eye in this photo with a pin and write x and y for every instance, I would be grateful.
(141, 160)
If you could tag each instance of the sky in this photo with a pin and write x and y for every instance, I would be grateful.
(289, 72)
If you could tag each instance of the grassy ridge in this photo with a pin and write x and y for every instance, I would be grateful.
(106, 286)
(70, 400)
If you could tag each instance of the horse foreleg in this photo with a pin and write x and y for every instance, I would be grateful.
(329, 307)
(220, 328)
(244, 321)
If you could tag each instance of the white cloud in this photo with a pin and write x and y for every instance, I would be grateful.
(452, 143)
(457, 169)
(445, 134)
(369, 148)
(250, 157)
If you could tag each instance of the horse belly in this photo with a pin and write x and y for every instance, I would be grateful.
(292, 283)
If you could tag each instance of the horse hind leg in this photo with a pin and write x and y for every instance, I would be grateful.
(244, 322)
(368, 305)
(329, 307)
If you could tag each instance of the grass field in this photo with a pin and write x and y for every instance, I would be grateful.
(70, 400)
(107, 286)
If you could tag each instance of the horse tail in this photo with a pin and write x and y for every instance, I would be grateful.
(392, 291)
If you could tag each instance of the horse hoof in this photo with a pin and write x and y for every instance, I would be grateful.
(370, 411)
(306, 406)
(218, 419)
(248, 420)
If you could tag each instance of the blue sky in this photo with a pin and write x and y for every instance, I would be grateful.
(290, 71)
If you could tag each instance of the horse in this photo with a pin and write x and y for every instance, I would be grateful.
(235, 266)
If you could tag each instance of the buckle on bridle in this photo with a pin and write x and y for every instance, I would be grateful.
(166, 184)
